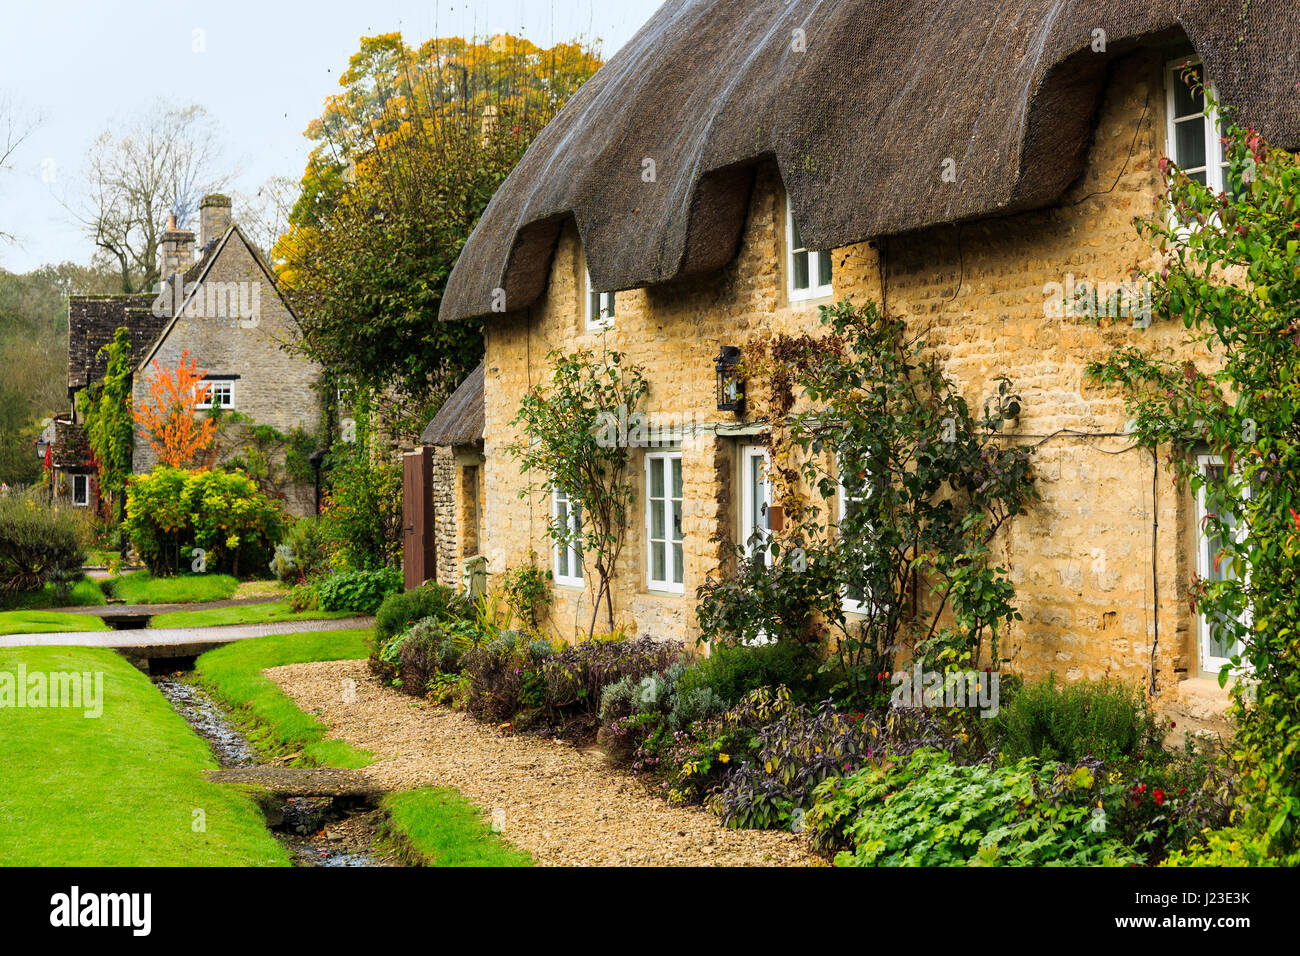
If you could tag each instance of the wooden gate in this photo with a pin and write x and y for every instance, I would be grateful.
(419, 551)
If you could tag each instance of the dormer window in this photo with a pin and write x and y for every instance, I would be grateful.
(1194, 138)
(600, 308)
(808, 272)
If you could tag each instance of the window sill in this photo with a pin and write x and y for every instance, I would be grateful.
(665, 590)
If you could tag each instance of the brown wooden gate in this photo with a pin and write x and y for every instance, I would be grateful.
(419, 553)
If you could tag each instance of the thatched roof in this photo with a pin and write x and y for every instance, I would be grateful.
(859, 124)
(460, 420)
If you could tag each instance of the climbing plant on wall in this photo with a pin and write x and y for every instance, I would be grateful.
(106, 411)
(568, 447)
(1228, 267)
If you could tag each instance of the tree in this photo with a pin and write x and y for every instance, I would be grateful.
(33, 357)
(407, 158)
(1228, 270)
(160, 165)
(927, 487)
(567, 442)
(13, 131)
(167, 420)
(107, 414)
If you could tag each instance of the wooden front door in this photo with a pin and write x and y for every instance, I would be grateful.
(419, 554)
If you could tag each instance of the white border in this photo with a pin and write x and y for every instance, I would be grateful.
(669, 586)
(813, 291)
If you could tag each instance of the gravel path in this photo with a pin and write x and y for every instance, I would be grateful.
(564, 806)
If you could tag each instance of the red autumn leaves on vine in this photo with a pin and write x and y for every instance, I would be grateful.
(167, 419)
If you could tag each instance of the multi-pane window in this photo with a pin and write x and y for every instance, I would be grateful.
(756, 503)
(809, 272)
(663, 520)
(221, 394)
(1217, 638)
(567, 515)
(81, 490)
(1194, 134)
(600, 308)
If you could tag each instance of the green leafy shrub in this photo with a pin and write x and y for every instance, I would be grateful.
(528, 589)
(360, 591)
(401, 609)
(731, 672)
(303, 597)
(302, 554)
(1105, 719)
(39, 544)
(361, 516)
(927, 811)
(170, 512)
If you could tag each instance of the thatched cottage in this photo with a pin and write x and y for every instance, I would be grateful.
(222, 305)
(739, 164)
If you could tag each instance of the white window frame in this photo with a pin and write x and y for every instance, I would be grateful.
(82, 500)
(749, 454)
(850, 605)
(228, 384)
(814, 291)
(663, 460)
(599, 308)
(572, 549)
(1215, 171)
(1204, 564)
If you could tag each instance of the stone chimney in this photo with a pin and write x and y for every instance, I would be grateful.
(214, 218)
(177, 249)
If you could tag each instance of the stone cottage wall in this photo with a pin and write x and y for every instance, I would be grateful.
(273, 388)
(1085, 561)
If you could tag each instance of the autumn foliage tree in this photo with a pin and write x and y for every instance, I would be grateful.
(407, 156)
(167, 419)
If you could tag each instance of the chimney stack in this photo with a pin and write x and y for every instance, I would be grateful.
(177, 249)
(214, 219)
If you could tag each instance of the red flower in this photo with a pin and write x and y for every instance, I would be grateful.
(1160, 796)
(1296, 518)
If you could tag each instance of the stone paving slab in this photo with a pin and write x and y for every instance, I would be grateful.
(168, 636)
(302, 781)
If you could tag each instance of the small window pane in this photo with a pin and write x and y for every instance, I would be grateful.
(677, 520)
(823, 268)
(1190, 143)
(657, 520)
(800, 263)
(1186, 102)
(677, 477)
(677, 564)
(656, 478)
(657, 553)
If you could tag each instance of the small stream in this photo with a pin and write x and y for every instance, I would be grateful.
(317, 831)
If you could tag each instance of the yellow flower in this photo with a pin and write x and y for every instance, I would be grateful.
(723, 758)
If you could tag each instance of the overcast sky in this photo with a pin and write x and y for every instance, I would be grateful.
(262, 68)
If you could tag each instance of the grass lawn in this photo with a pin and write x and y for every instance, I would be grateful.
(444, 829)
(246, 614)
(44, 622)
(122, 789)
(141, 587)
(270, 720)
(84, 594)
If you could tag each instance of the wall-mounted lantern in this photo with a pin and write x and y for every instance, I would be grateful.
(731, 388)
